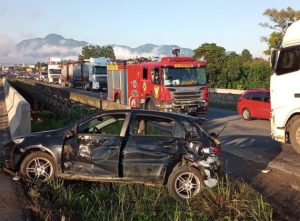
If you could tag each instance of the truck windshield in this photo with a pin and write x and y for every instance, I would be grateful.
(54, 71)
(194, 76)
(289, 60)
(100, 70)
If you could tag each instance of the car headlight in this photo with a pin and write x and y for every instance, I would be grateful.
(18, 140)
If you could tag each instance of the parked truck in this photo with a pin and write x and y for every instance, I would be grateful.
(175, 83)
(285, 89)
(54, 70)
(89, 74)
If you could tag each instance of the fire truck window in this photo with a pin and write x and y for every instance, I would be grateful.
(155, 76)
(145, 73)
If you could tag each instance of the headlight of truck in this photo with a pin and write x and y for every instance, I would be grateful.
(18, 140)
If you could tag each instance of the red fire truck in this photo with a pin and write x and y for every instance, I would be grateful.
(175, 84)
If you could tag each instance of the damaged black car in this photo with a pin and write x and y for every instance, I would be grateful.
(133, 146)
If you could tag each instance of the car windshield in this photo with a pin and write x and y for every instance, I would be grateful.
(100, 70)
(191, 76)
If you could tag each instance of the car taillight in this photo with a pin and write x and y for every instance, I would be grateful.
(212, 150)
(216, 150)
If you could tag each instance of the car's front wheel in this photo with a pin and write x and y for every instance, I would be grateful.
(38, 166)
(184, 183)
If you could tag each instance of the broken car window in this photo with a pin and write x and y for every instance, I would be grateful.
(153, 126)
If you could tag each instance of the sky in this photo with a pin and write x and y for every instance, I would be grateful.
(232, 24)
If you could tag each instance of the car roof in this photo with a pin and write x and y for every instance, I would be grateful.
(176, 116)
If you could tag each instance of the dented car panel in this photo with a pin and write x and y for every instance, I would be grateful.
(146, 156)
(123, 146)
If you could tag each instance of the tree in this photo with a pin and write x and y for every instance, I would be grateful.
(94, 51)
(246, 55)
(215, 56)
(280, 22)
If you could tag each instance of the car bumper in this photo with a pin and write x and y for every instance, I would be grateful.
(8, 155)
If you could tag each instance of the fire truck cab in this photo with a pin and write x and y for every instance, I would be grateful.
(176, 84)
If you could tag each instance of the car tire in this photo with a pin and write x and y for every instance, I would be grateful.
(294, 135)
(246, 114)
(117, 99)
(38, 166)
(185, 182)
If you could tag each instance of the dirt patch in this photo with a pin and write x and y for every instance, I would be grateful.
(13, 204)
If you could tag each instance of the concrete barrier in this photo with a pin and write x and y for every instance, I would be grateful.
(226, 97)
(18, 111)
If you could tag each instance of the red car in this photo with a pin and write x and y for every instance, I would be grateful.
(254, 104)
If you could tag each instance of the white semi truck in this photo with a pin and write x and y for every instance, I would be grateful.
(54, 70)
(285, 89)
(89, 74)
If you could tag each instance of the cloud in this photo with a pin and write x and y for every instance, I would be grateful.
(126, 53)
(6, 44)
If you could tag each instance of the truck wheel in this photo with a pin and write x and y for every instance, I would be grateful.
(295, 135)
(86, 87)
(38, 166)
(246, 114)
(150, 105)
(184, 183)
(117, 100)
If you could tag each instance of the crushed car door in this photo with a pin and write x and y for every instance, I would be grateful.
(150, 147)
(96, 148)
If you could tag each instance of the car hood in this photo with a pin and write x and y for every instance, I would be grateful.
(49, 133)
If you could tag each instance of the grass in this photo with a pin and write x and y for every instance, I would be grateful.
(46, 120)
(230, 200)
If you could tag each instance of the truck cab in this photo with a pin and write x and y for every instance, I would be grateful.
(54, 70)
(285, 89)
(173, 84)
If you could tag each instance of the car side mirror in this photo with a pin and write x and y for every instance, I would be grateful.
(69, 134)
(213, 134)
(273, 59)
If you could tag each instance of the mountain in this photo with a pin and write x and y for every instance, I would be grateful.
(54, 45)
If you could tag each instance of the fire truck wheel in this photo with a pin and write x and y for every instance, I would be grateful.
(150, 105)
(117, 100)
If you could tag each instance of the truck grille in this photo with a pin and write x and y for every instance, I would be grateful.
(183, 99)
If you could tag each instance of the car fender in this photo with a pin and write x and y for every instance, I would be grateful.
(26, 150)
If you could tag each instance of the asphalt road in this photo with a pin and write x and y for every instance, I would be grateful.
(251, 140)
(248, 152)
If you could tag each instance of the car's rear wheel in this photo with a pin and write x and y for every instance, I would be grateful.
(184, 183)
(38, 166)
(294, 135)
(246, 114)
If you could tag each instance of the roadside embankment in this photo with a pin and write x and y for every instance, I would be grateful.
(224, 98)
(18, 111)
